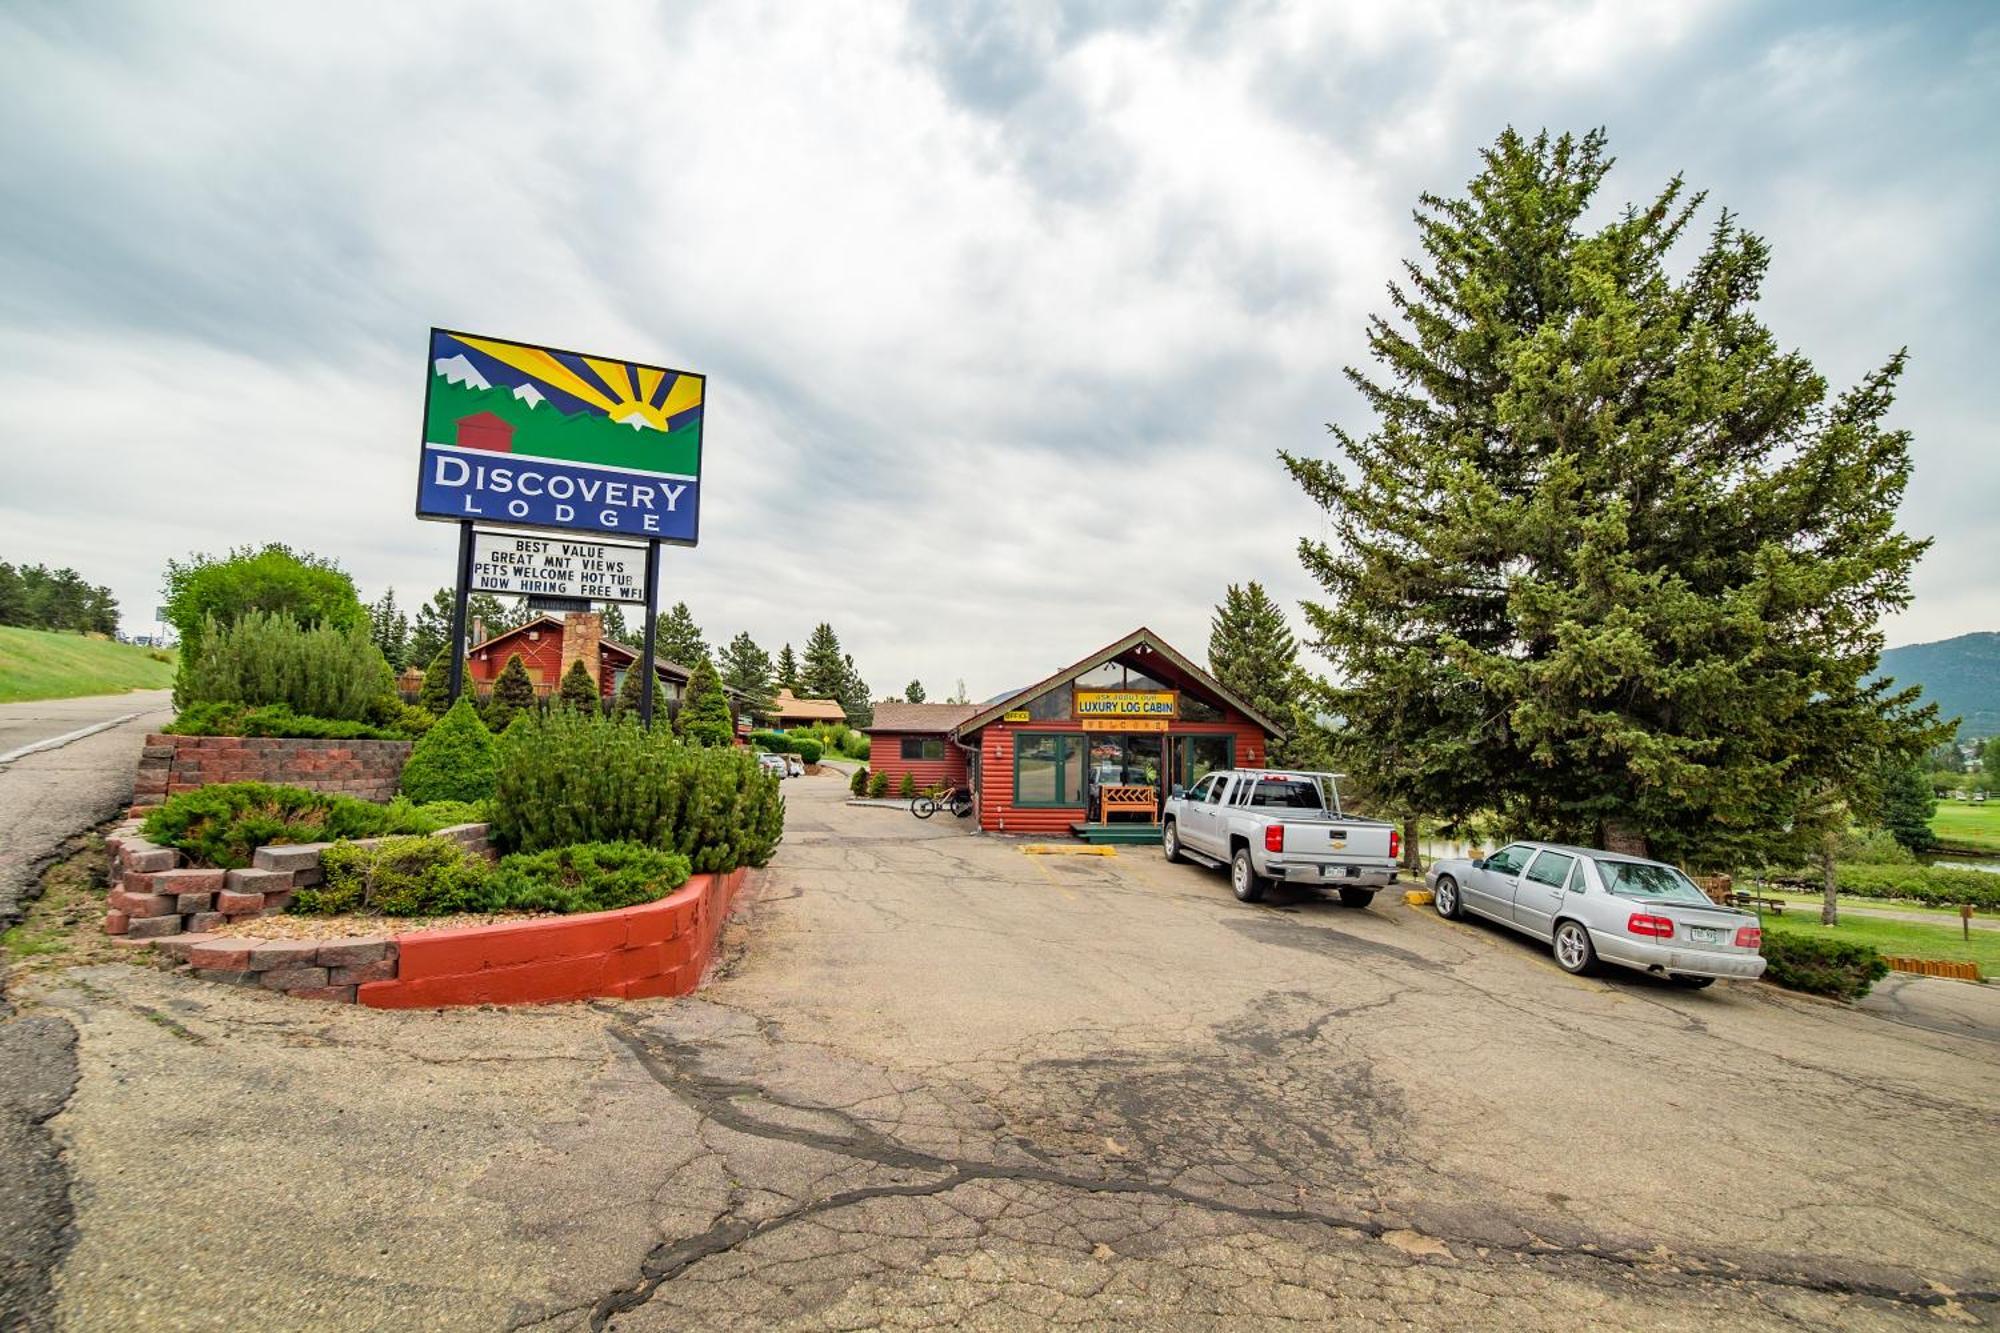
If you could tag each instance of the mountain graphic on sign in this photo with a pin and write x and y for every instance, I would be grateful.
(506, 397)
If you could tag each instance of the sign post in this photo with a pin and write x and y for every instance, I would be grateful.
(652, 618)
(458, 610)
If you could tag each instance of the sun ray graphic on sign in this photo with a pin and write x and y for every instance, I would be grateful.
(625, 394)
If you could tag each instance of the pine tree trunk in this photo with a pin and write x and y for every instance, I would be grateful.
(1829, 907)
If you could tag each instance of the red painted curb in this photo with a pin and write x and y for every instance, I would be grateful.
(653, 949)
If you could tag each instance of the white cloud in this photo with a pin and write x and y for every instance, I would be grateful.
(1005, 314)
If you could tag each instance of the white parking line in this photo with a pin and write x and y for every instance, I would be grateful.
(57, 742)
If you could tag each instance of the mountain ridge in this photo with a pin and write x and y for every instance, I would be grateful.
(1961, 675)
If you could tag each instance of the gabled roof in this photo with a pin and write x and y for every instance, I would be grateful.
(992, 712)
(539, 622)
(822, 710)
(664, 666)
(933, 719)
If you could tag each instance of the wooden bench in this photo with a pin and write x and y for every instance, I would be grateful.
(1128, 800)
(1775, 906)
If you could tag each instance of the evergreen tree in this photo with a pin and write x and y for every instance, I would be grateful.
(579, 690)
(704, 715)
(488, 614)
(679, 638)
(513, 694)
(1610, 563)
(1907, 805)
(615, 628)
(1252, 652)
(435, 695)
(629, 688)
(788, 670)
(431, 627)
(852, 692)
(823, 672)
(14, 608)
(913, 693)
(389, 628)
(746, 668)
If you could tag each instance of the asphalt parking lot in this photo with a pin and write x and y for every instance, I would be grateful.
(941, 1081)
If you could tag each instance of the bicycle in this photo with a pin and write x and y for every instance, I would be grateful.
(955, 799)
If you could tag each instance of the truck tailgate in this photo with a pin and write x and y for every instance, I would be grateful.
(1335, 840)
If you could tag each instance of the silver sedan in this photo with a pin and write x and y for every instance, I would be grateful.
(1591, 906)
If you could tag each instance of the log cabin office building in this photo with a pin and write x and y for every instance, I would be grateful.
(1132, 720)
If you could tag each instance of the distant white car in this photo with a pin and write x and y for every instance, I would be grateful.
(774, 764)
(795, 767)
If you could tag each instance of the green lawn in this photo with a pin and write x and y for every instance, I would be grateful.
(1907, 939)
(1974, 826)
(37, 664)
(1808, 903)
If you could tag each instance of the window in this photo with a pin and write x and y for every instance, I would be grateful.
(1199, 795)
(1215, 792)
(1647, 879)
(923, 747)
(1551, 868)
(1508, 860)
(1048, 769)
(1288, 794)
(1198, 710)
(1051, 707)
(1203, 754)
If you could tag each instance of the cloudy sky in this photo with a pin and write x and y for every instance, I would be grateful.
(1005, 309)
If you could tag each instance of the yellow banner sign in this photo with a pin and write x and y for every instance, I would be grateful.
(1092, 705)
(1129, 723)
(1018, 715)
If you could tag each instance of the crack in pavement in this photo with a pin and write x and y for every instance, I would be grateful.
(674, 1065)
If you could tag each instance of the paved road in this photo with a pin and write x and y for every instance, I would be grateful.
(944, 1082)
(44, 799)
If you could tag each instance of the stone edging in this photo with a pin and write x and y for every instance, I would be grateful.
(170, 764)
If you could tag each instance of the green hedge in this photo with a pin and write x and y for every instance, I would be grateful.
(419, 876)
(222, 825)
(780, 742)
(568, 777)
(235, 719)
(267, 659)
(1842, 969)
(1941, 886)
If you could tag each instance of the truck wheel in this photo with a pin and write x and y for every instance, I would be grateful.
(1244, 879)
(1356, 897)
(1445, 898)
(1170, 842)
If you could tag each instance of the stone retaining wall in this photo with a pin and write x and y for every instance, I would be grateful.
(660, 948)
(173, 764)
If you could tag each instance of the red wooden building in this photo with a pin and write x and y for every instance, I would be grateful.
(547, 645)
(1101, 741)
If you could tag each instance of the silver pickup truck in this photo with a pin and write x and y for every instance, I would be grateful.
(1270, 825)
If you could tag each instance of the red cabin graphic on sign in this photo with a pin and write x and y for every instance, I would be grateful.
(484, 430)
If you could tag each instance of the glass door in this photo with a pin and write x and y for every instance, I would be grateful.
(1126, 759)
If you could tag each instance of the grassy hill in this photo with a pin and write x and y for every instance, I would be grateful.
(38, 664)
(1961, 676)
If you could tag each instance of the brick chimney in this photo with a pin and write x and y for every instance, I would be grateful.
(583, 631)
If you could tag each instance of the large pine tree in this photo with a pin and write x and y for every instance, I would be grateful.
(788, 669)
(746, 668)
(1610, 562)
(679, 638)
(1252, 651)
(823, 673)
(432, 627)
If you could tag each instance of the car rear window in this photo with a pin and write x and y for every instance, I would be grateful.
(1644, 879)
(1288, 794)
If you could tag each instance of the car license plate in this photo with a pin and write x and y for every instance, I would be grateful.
(1705, 934)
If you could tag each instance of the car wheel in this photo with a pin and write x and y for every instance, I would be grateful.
(1693, 983)
(1356, 897)
(1445, 898)
(1572, 948)
(1244, 879)
(1170, 842)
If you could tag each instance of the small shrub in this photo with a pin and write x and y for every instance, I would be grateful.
(223, 824)
(573, 778)
(268, 659)
(808, 751)
(513, 695)
(857, 785)
(454, 761)
(703, 718)
(878, 785)
(855, 746)
(579, 690)
(907, 788)
(433, 695)
(1843, 969)
(235, 719)
(410, 876)
(585, 877)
